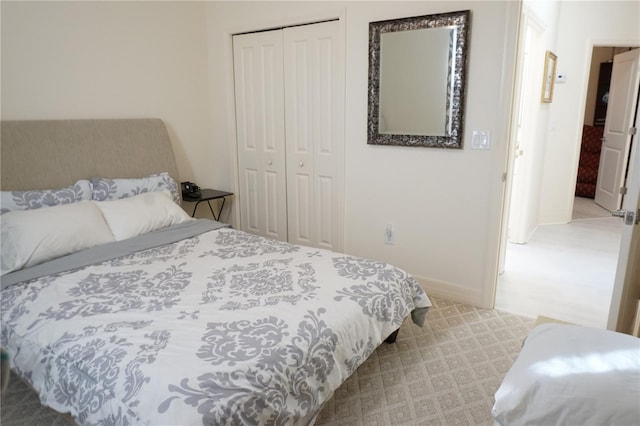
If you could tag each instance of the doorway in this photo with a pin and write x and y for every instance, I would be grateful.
(563, 271)
(588, 198)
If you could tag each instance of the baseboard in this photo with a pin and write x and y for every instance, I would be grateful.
(450, 291)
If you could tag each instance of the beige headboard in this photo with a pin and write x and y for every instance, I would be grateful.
(49, 154)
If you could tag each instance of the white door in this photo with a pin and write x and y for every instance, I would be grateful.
(291, 182)
(259, 91)
(524, 194)
(626, 287)
(314, 111)
(623, 97)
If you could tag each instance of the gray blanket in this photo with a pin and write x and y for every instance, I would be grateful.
(111, 251)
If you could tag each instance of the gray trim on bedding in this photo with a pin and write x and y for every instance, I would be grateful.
(418, 315)
(112, 250)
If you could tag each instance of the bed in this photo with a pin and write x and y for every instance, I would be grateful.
(151, 317)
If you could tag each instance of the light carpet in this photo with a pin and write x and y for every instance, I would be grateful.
(444, 373)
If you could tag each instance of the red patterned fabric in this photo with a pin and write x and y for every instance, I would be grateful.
(589, 161)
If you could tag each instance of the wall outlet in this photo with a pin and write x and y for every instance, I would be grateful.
(389, 237)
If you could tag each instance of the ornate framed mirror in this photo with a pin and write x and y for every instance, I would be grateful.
(417, 70)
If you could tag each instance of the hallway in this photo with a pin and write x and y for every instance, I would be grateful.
(564, 272)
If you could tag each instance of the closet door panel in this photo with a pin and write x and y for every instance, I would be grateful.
(327, 196)
(329, 144)
(299, 134)
(314, 107)
(258, 73)
(298, 98)
(273, 193)
(250, 191)
(301, 213)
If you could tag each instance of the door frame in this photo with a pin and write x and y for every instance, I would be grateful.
(621, 308)
(529, 22)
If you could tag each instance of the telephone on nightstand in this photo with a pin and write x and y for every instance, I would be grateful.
(190, 191)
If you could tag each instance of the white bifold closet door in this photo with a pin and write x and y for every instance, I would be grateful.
(290, 133)
(259, 87)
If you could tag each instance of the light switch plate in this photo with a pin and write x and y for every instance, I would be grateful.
(481, 139)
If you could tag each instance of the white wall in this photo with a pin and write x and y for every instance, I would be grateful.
(112, 60)
(581, 25)
(445, 205)
(174, 61)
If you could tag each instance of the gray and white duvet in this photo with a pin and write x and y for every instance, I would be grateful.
(223, 327)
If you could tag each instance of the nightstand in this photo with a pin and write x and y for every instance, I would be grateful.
(208, 195)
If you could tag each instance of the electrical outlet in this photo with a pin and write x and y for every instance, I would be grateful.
(389, 237)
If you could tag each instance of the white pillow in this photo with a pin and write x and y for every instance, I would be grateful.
(572, 375)
(130, 217)
(30, 237)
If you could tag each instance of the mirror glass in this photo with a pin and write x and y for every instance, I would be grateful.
(416, 80)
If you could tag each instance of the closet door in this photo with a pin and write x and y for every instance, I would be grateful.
(314, 111)
(258, 72)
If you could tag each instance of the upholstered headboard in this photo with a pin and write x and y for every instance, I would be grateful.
(51, 154)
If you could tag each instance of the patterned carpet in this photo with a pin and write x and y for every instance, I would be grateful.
(442, 374)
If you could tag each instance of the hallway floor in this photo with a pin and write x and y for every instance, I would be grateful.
(564, 272)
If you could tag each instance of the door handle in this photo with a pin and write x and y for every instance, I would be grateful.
(630, 217)
(618, 213)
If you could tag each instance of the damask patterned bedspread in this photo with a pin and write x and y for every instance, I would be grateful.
(221, 328)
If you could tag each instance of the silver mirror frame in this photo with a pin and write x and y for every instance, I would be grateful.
(454, 138)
